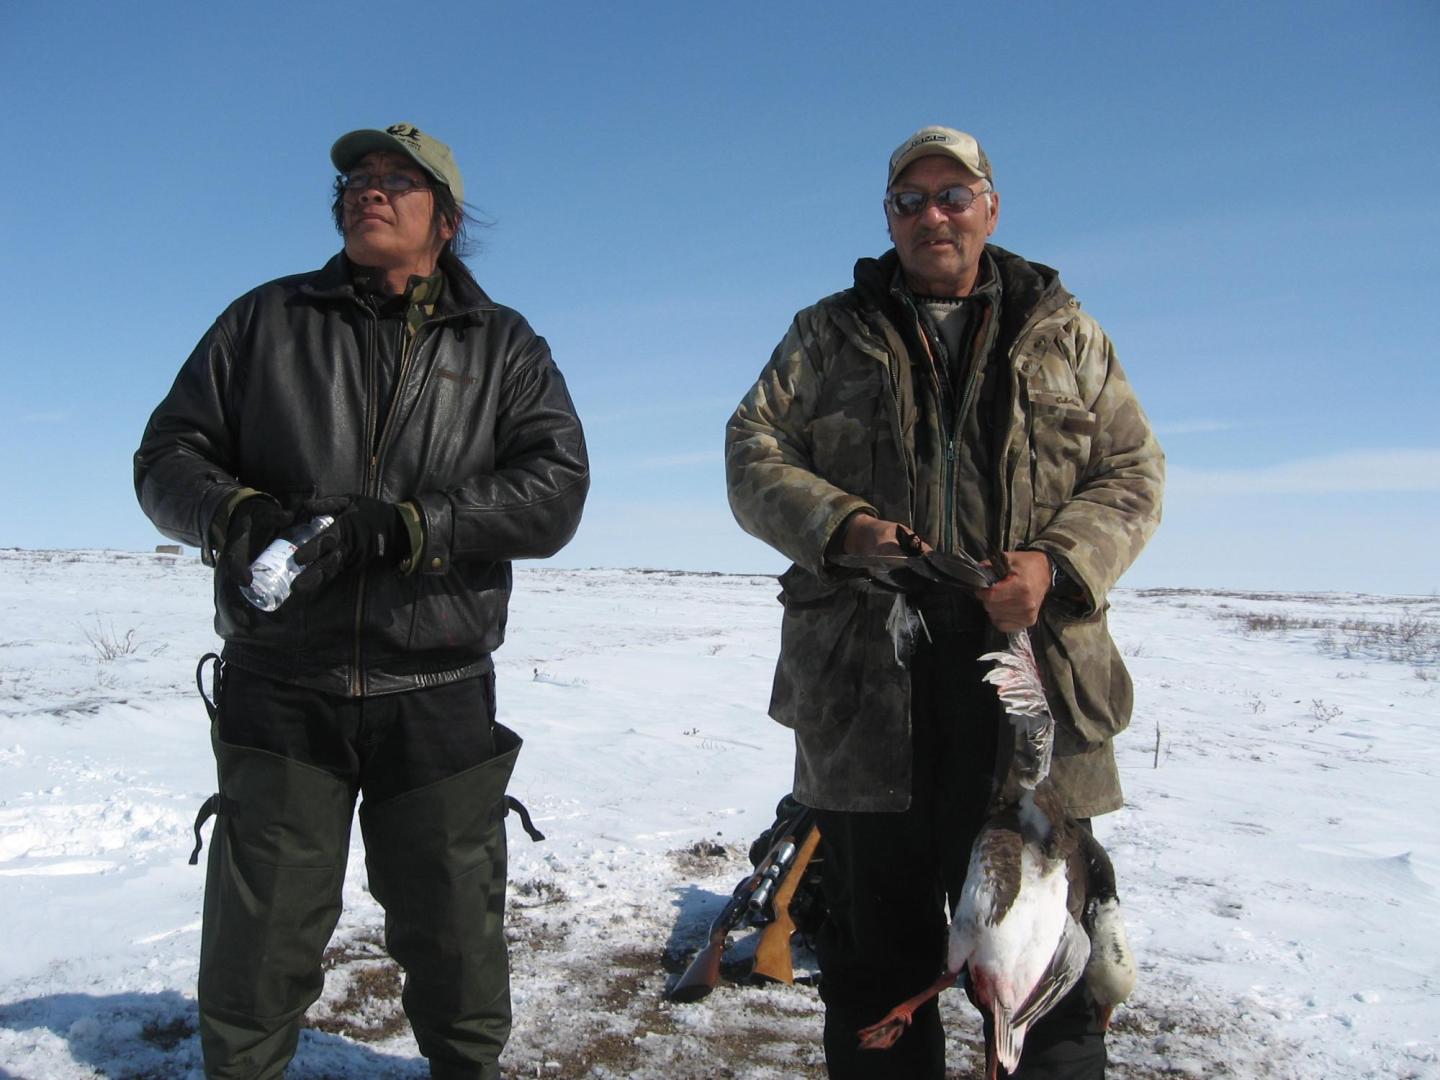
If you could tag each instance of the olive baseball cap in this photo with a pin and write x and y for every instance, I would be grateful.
(428, 152)
(946, 141)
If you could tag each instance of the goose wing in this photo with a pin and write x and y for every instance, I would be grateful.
(1066, 966)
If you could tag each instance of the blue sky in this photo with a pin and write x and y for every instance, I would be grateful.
(1245, 195)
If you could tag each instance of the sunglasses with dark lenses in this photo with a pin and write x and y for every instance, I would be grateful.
(396, 183)
(952, 200)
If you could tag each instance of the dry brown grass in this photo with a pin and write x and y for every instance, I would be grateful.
(369, 1009)
(1404, 638)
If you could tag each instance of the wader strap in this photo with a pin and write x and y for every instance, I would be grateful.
(512, 803)
(210, 807)
(210, 703)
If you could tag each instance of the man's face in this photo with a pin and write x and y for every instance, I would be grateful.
(939, 248)
(392, 230)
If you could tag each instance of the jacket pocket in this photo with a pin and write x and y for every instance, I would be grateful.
(843, 427)
(822, 650)
(1061, 433)
(1090, 691)
(436, 622)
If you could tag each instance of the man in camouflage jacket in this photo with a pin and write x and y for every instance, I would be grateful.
(956, 390)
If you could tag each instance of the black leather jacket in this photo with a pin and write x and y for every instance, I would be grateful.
(281, 396)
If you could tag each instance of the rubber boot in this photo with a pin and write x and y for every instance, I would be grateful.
(436, 859)
(272, 898)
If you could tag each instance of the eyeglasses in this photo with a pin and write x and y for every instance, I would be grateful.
(951, 200)
(395, 183)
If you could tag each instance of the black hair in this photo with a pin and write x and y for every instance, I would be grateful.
(447, 210)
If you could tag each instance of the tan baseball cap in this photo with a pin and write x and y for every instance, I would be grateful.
(429, 153)
(941, 140)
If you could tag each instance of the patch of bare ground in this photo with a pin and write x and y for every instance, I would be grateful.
(742, 1031)
(1143, 1043)
(632, 1030)
(601, 1013)
(535, 894)
(530, 930)
(706, 857)
(362, 991)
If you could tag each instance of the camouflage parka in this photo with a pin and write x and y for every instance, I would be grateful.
(831, 427)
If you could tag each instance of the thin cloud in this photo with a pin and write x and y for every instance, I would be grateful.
(56, 416)
(1352, 472)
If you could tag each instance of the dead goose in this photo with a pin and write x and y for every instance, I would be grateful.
(1038, 910)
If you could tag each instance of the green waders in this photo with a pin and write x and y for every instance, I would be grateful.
(436, 856)
(272, 899)
(443, 889)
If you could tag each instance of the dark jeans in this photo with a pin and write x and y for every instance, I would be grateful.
(890, 879)
(381, 746)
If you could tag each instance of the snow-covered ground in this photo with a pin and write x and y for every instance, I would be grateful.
(1279, 850)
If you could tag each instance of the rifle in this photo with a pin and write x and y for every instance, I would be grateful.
(772, 955)
(748, 902)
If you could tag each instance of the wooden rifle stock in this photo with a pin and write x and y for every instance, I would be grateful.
(704, 971)
(772, 955)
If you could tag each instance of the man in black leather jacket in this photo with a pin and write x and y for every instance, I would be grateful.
(387, 391)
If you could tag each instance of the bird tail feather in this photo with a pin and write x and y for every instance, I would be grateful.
(1009, 1039)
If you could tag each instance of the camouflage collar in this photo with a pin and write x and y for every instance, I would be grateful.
(418, 290)
(418, 301)
(460, 296)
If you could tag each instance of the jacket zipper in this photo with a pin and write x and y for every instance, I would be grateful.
(371, 485)
(356, 681)
(949, 423)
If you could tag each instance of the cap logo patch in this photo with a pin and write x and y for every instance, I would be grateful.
(405, 132)
(936, 137)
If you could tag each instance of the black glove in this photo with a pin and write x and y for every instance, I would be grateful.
(365, 530)
(252, 525)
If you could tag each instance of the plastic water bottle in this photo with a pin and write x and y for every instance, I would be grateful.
(275, 568)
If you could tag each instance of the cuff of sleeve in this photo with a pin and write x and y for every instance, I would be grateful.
(415, 531)
(833, 531)
(436, 529)
(836, 544)
(220, 523)
(1066, 586)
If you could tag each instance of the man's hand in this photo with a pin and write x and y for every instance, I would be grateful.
(1013, 603)
(365, 530)
(253, 524)
(866, 534)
